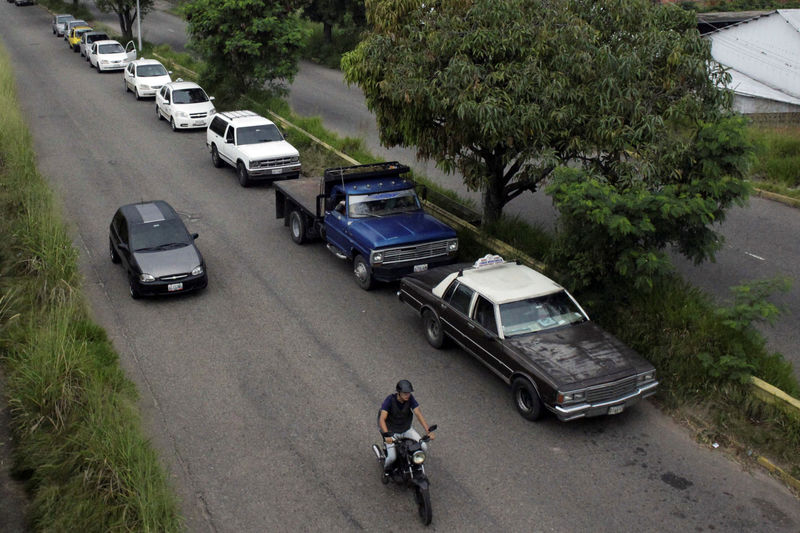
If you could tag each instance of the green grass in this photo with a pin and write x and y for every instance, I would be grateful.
(318, 50)
(78, 11)
(777, 166)
(79, 442)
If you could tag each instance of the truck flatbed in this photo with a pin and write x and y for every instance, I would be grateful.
(303, 192)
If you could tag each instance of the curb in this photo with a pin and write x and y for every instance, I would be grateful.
(782, 474)
(786, 200)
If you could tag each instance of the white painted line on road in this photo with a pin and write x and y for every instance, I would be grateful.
(754, 255)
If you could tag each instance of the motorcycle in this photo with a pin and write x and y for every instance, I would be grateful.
(408, 470)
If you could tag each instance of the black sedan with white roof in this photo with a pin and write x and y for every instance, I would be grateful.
(533, 334)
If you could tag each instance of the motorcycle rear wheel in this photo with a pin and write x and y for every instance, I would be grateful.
(423, 499)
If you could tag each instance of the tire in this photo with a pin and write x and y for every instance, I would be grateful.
(133, 289)
(125, 83)
(297, 225)
(241, 173)
(433, 329)
(215, 159)
(75, 49)
(114, 255)
(136, 93)
(172, 124)
(158, 114)
(526, 399)
(98, 69)
(362, 273)
(423, 499)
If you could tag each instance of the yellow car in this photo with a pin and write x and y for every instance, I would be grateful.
(74, 38)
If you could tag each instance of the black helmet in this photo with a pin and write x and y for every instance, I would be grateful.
(404, 386)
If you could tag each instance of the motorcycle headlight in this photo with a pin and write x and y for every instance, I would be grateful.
(146, 278)
(196, 271)
(452, 246)
(418, 458)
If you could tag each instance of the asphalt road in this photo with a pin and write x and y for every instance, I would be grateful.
(260, 393)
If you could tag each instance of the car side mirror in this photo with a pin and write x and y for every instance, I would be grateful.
(195, 235)
(211, 99)
(169, 72)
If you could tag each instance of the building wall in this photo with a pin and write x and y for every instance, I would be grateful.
(748, 105)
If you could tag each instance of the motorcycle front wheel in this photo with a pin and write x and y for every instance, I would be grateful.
(423, 499)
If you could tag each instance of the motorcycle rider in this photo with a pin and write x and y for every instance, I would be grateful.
(395, 418)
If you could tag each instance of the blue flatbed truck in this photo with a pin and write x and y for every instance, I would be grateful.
(370, 215)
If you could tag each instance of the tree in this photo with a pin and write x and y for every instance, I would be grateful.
(126, 13)
(334, 12)
(246, 43)
(508, 91)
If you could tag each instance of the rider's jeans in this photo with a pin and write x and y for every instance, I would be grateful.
(391, 453)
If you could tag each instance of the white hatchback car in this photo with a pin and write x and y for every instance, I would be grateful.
(145, 77)
(110, 55)
(185, 104)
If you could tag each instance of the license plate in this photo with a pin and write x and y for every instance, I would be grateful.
(615, 409)
(420, 268)
(175, 287)
(276, 170)
(199, 123)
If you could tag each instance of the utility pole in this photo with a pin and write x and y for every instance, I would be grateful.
(139, 26)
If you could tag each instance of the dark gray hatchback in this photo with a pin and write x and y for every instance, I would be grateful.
(156, 250)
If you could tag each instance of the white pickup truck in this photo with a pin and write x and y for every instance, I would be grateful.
(253, 146)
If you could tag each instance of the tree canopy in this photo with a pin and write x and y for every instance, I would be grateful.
(620, 96)
(246, 43)
(126, 13)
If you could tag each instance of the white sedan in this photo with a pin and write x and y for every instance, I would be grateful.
(185, 104)
(145, 77)
(110, 55)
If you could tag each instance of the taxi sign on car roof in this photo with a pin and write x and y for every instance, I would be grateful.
(488, 259)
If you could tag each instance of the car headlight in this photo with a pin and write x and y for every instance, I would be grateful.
(104, 61)
(452, 246)
(295, 159)
(181, 114)
(212, 111)
(568, 397)
(146, 278)
(196, 271)
(377, 258)
(649, 376)
(145, 87)
(418, 458)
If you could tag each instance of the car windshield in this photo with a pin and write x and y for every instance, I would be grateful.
(96, 37)
(258, 134)
(162, 235)
(538, 314)
(148, 71)
(73, 23)
(81, 31)
(189, 96)
(64, 18)
(383, 203)
(115, 48)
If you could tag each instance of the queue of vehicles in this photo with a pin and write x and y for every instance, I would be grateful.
(523, 326)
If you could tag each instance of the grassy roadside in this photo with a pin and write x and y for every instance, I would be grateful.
(80, 446)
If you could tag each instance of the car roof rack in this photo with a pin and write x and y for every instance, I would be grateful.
(239, 114)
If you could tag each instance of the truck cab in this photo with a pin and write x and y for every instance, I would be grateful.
(370, 215)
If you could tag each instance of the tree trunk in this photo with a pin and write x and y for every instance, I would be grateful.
(494, 198)
(327, 30)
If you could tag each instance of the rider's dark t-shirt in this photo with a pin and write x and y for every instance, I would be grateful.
(400, 413)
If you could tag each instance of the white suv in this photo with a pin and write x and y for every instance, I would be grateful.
(252, 145)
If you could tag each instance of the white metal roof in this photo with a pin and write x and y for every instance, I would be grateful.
(763, 55)
(507, 282)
